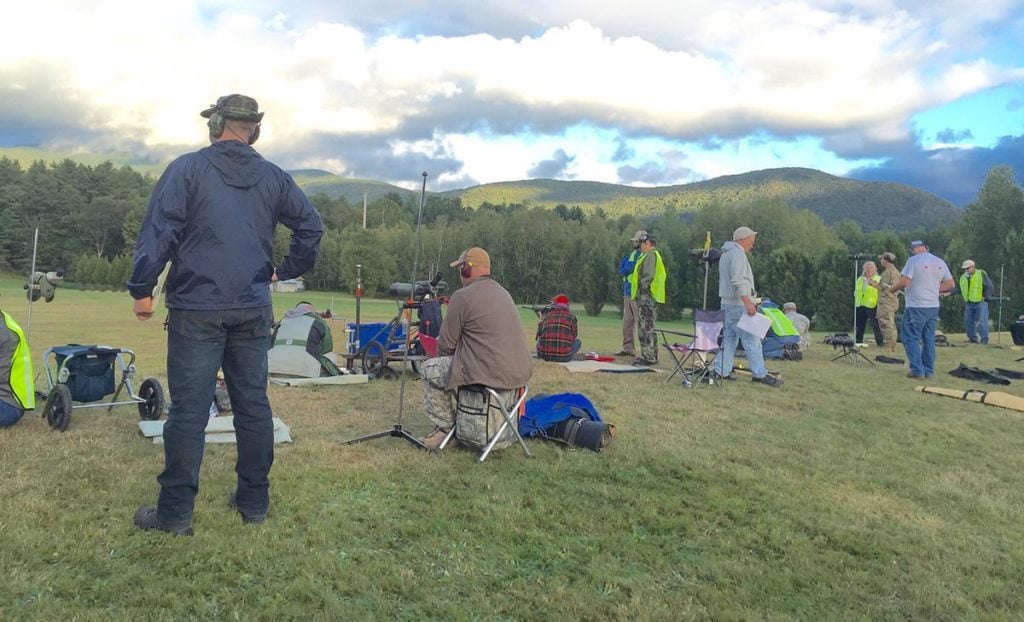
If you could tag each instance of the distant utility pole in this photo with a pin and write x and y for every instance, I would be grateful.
(364, 210)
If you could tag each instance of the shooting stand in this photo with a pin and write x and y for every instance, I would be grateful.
(396, 431)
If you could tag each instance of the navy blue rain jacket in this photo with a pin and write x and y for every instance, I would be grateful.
(212, 215)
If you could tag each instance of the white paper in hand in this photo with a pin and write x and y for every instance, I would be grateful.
(757, 324)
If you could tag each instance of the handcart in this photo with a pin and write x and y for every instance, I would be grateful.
(85, 374)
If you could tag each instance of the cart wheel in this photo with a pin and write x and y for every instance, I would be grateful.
(58, 407)
(153, 395)
(375, 360)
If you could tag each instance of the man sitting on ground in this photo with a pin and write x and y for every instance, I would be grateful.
(302, 345)
(557, 332)
(17, 383)
(481, 343)
(801, 322)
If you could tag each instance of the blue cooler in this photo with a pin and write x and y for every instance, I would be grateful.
(376, 331)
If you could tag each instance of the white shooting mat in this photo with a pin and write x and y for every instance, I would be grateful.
(218, 430)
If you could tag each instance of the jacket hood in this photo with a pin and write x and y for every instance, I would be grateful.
(238, 165)
(298, 311)
(731, 247)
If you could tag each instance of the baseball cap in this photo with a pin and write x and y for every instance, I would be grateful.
(638, 236)
(789, 305)
(476, 257)
(967, 264)
(235, 106)
(917, 243)
(560, 299)
(742, 233)
(888, 256)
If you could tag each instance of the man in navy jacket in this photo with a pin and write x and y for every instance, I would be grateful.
(212, 215)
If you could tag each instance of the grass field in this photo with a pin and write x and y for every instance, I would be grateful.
(842, 495)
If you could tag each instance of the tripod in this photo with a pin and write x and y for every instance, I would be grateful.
(397, 431)
(851, 349)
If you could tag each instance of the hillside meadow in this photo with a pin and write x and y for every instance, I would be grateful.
(843, 495)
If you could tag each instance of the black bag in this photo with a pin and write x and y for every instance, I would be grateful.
(975, 373)
(580, 431)
(91, 375)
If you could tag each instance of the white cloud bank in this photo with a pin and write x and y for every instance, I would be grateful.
(666, 77)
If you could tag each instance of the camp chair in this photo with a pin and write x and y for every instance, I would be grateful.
(479, 408)
(694, 359)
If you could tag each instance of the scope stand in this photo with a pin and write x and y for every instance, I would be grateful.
(853, 353)
(396, 430)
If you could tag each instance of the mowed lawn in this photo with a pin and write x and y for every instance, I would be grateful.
(843, 495)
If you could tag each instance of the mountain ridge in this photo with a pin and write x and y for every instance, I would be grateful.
(872, 205)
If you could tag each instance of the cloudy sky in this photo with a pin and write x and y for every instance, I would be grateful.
(639, 92)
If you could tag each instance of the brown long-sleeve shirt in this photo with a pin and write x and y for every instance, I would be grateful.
(484, 335)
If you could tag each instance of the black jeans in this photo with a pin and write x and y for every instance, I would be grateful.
(865, 315)
(198, 344)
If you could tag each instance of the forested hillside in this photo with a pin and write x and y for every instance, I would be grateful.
(88, 219)
(871, 205)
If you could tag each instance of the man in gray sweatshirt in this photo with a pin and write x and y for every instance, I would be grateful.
(736, 288)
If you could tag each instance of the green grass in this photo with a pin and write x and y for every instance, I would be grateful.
(843, 495)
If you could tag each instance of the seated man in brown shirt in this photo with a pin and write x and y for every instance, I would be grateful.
(481, 343)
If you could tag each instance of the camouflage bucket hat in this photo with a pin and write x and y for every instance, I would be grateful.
(235, 106)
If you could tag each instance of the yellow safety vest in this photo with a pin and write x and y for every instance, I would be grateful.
(973, 287)
(22, 380)
(865, 295)
(781, 325)
(657, 285)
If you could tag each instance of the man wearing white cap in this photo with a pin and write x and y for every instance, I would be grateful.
(975, 287)
(924, 277)
(736, 288)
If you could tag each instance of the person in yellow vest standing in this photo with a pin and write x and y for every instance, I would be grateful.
(865, 297)
(17, 382)
(975, 287)
(647, 284)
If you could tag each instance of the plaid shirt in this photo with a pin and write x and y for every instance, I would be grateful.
(556, 333)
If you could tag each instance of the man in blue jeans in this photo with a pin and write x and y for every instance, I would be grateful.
(212, 215)
(739, 298)
(924, 277)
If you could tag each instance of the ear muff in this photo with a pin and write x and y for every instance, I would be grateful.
(216, 124)
(466, 270)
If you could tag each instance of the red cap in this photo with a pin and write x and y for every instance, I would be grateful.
(560, 299)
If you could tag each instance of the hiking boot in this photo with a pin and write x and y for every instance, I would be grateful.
(769, 380)
(731, 376)
(625, 353)
(146, 518)
(911, 374)
(433, 440)
(642, 362)
(249, 517)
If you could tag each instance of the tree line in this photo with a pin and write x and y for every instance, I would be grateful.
(88, 218)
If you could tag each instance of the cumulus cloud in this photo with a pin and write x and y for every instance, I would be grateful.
(954, 174)
(552, 168)
(484, 90)
(949, 135)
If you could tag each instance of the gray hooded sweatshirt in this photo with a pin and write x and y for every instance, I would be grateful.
(735, 278)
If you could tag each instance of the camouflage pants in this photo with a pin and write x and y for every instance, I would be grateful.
(887, 323)
(476, 422)
(647, 312)
(438, 402)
